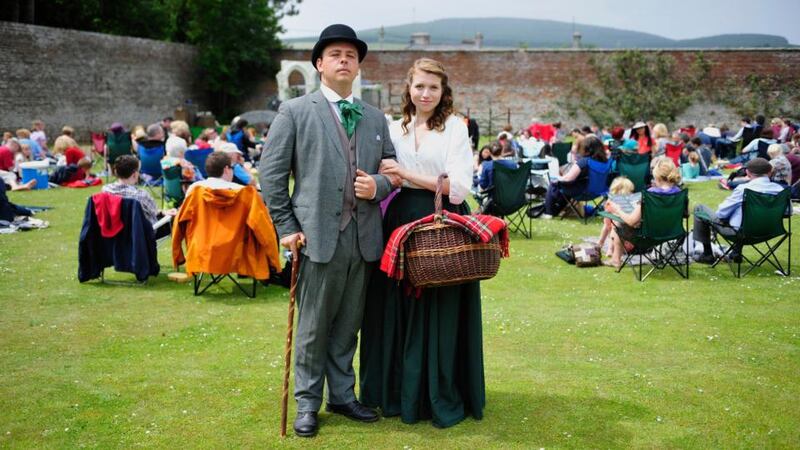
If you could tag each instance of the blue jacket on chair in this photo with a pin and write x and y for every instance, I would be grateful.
(132, 250)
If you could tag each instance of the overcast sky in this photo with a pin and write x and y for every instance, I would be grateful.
(676, 19)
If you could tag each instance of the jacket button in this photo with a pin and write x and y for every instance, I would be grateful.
(338, 214)
(341, 189)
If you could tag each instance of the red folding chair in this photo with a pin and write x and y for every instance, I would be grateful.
(99, 143)
(673, 151)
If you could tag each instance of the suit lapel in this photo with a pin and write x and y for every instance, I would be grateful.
(324, 112)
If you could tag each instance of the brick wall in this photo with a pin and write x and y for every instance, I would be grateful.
(88, 80)
(528, 83)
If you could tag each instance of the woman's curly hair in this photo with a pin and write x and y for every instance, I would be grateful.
(445, 106)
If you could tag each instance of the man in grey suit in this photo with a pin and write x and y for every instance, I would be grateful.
(333, 144)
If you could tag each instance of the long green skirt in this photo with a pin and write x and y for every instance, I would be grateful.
(422, 358)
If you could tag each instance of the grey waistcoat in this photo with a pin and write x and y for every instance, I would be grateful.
(349, 205)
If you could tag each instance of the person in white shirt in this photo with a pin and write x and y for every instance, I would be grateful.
(531, 147)
(728, 216)
(751, 149)
(220, 173)
(429, 140)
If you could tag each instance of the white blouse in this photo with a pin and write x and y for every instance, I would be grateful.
(447, 151)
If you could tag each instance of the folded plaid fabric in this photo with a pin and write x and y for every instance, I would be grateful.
(480, 227)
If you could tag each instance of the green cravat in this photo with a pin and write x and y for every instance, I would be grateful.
(351, 114)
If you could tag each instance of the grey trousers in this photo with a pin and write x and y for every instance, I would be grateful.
(702, 227)
(330, 302)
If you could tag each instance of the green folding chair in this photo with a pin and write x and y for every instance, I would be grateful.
(118, 144)
(764, 229)
(636, 168)
(561, 152)
(171, 188)
(508, 197)
(659, 240)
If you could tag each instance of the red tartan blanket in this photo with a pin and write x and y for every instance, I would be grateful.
(479, 226)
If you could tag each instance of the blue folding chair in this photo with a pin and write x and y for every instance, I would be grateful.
(151, 163)
(198, 158)
(597, 188)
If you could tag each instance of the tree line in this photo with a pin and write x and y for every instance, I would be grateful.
(235, 38)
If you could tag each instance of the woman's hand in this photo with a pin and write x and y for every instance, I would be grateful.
(393, 171)
(387, 164)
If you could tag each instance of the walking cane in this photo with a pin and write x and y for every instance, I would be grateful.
(288, 351)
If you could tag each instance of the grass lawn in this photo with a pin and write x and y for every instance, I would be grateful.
(575, 358)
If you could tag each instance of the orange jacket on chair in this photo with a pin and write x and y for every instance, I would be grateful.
(226, 231)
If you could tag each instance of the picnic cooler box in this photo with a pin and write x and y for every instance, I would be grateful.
(35, 170)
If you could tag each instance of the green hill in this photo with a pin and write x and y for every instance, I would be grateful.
(535, 33)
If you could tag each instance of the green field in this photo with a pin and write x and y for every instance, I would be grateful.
(575, 358)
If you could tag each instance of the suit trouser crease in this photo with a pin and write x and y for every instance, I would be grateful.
(330, 300)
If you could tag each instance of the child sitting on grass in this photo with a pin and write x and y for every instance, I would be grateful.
(621, 194)
(691, 169)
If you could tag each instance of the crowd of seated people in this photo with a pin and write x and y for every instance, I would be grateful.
(65, 158)
(684, 154)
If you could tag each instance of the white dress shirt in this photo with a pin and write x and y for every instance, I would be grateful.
(447, 151)
(333, 97)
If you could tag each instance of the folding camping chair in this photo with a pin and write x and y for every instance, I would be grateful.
(172, 187)
(561, 152)
(118, 144)
(597, 187)
(132, 249)
(225, 238)
(673, 152)
(748, 134)
(663, 230)
(762, 150)
(636, 168)
(150, 159)
(765, 218)
(508, 197)
(198, 158)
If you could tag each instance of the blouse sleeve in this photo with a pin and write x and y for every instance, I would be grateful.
(459, 162)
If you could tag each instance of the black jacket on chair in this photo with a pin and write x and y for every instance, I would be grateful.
(132, 250)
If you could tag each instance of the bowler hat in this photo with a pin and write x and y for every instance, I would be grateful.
(337, 33)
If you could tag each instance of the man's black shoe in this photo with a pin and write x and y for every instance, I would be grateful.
(354, 410)
(306, 424)
(706, 259)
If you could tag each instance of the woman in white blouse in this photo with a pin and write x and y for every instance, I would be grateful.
(422, 354)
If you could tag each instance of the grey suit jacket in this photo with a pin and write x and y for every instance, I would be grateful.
(303, 140)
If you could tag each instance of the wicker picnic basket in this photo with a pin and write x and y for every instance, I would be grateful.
(439, 254)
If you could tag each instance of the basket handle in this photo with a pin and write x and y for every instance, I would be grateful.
(437, 203)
